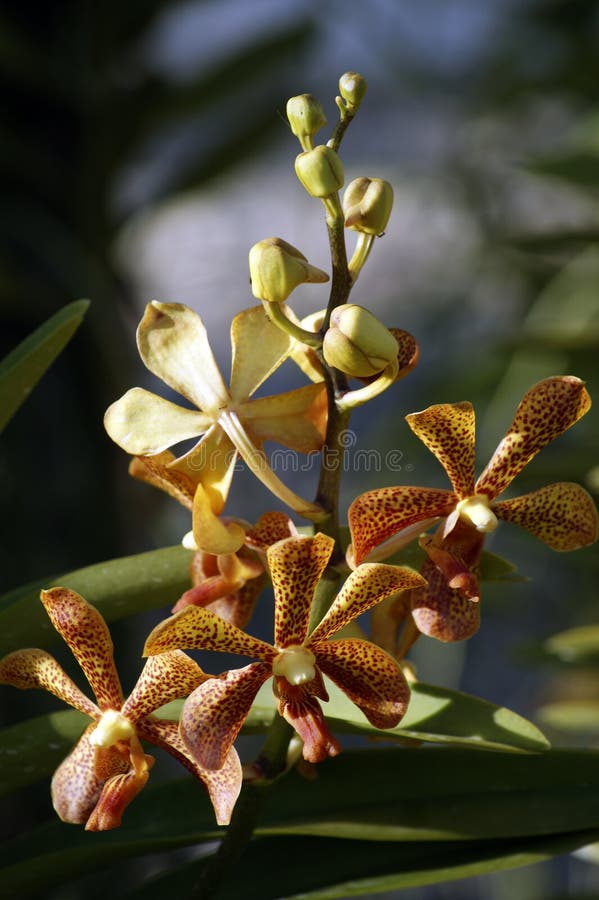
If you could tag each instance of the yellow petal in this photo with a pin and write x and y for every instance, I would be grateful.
(546, 410)
(259, 347)
(448, 432)
(297, 419)
(210, 534)
(159, 472)
(144, 423)
(211, 463)
(367, 585)
(174, 346)
(37, 669)
(85, 631)
(296, 566)
(195, 628)
(166, 677)
(563, 515)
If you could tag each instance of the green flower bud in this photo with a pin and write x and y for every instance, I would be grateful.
(352, 87)
(357, 343)
(276, 269)
(306, 117)
(367, 205)
(320, 171)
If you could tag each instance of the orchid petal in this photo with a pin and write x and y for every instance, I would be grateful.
(563, 515)
(448, 432)
(259, 347)
(37, 669)
(299, 706)
(377, 515)
(173, 344)
(270, 528)
(546, 411)
(296, 566)
(209, 532)
(163, 678)
(223, 786)
(195, 628)
(213, 715)
(78, 781)
(158, 471)
(211, 463)
(257, 462)
(367, 585)
(442, 612)
(143, 423)
(370, 677)
(85, 631)
(297, 419)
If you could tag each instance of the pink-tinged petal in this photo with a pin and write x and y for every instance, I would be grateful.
(563, 515)
(165, 677)
(144, 423)
(158, 471)
(300, 707)
(546, 410)
(237, 608)
(210, 533)
(377, 515)
(115, 796)
(37, 669)
(296, 419)
(448, 432)
(252, 329)
(366, 586)
(195, 628)
(441, 612)
(85, 631)
(211, 463)
(223, 785)
(296, 566)
(452, 562)
(370, 677)
(213, 715)
(270, 528)
(78, 781)
(173, 344)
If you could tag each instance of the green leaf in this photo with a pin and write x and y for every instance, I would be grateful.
(385, 795)
(496, 568)
(576, 645)
(577, 716)
(277, 868)
(435, 714)
(581, 168)
(118, 588)
(21, 370)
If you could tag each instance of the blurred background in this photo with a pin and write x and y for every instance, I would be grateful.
(145, 149)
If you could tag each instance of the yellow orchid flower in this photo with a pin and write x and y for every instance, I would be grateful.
(174, 346)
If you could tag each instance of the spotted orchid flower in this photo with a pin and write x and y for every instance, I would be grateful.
(214, 713)
(231, 583)
(107, 768)
(562, 515)
(174, 346)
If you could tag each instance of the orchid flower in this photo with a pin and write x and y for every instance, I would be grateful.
(174, 346)
(562, 515)
(107, 767)
(231, 583)
(214, 713)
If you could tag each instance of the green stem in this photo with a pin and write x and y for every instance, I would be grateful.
(277, 316)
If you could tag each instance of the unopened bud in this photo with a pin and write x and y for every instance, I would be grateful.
(320, 171)
(367, 204)
(352, 87)
(357, 343)
(276, 269)
(306, 117)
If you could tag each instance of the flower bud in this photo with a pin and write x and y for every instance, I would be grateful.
(276, 269)
(357, 343)
(306, 116)
(367, 205)
(352, 87)
(320, 171)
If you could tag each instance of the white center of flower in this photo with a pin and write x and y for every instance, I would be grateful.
(112, 727)
(295, 664)
(478, 512)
